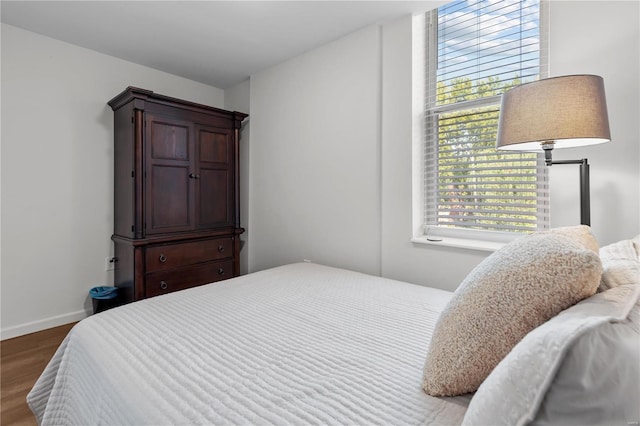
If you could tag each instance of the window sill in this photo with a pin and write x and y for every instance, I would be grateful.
(460, 243)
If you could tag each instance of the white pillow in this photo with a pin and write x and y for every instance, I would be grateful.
(515, 390)
(620, 264)
(597, 382)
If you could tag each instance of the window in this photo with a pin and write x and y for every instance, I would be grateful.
(475, 50)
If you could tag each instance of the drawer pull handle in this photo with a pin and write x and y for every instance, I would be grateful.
(220, 271)
(163, 285)
(162, 258)
(221, 248)
(194, 176)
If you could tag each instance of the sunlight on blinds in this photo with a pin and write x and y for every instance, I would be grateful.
(482, 48)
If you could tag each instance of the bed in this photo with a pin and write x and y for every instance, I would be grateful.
(295, 345)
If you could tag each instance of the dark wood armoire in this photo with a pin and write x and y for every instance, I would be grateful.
(176, 200)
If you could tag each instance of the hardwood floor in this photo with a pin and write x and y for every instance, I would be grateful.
(22, 360)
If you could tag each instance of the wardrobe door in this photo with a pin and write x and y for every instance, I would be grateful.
(169, 175)
(215, 184)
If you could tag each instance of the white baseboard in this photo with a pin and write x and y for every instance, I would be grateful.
(32, 327)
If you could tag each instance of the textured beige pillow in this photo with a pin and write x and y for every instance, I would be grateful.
(510, 293)
(580, 234)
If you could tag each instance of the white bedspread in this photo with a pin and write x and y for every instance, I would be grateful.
(299, 344)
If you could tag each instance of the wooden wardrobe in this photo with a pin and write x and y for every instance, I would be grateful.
(176, 194)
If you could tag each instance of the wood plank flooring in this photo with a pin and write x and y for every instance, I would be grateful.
(22, 360)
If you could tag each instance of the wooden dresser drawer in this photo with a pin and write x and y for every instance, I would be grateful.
(169, 256)
(162, 282)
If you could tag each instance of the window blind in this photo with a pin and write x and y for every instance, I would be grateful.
(475, 51)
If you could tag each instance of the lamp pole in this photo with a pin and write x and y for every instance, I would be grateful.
(585, 201)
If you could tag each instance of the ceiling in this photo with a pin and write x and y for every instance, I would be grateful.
(219, 43)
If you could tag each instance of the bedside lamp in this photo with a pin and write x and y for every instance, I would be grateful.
(559, 112)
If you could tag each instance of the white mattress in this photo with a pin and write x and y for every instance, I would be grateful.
(298, 344)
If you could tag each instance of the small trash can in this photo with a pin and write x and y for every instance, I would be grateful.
(103, 298)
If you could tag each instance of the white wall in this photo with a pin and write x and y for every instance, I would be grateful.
(57, 172)
(237, 98)
(436, 266)
(315, 158)
(601, 38)
(296, 136)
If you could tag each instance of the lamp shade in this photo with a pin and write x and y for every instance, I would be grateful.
(568, 111)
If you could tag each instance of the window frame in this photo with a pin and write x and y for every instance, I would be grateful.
(424, 230)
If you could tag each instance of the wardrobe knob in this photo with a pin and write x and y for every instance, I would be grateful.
(194, 176)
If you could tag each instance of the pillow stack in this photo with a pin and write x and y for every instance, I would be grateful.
(579, 368)
(513, 291)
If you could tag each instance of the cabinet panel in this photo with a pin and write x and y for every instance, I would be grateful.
(168, 201)
(123, 178)
(169, 175)
(169, 141)
(215, 194)
(214, 145)
(214, 208)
